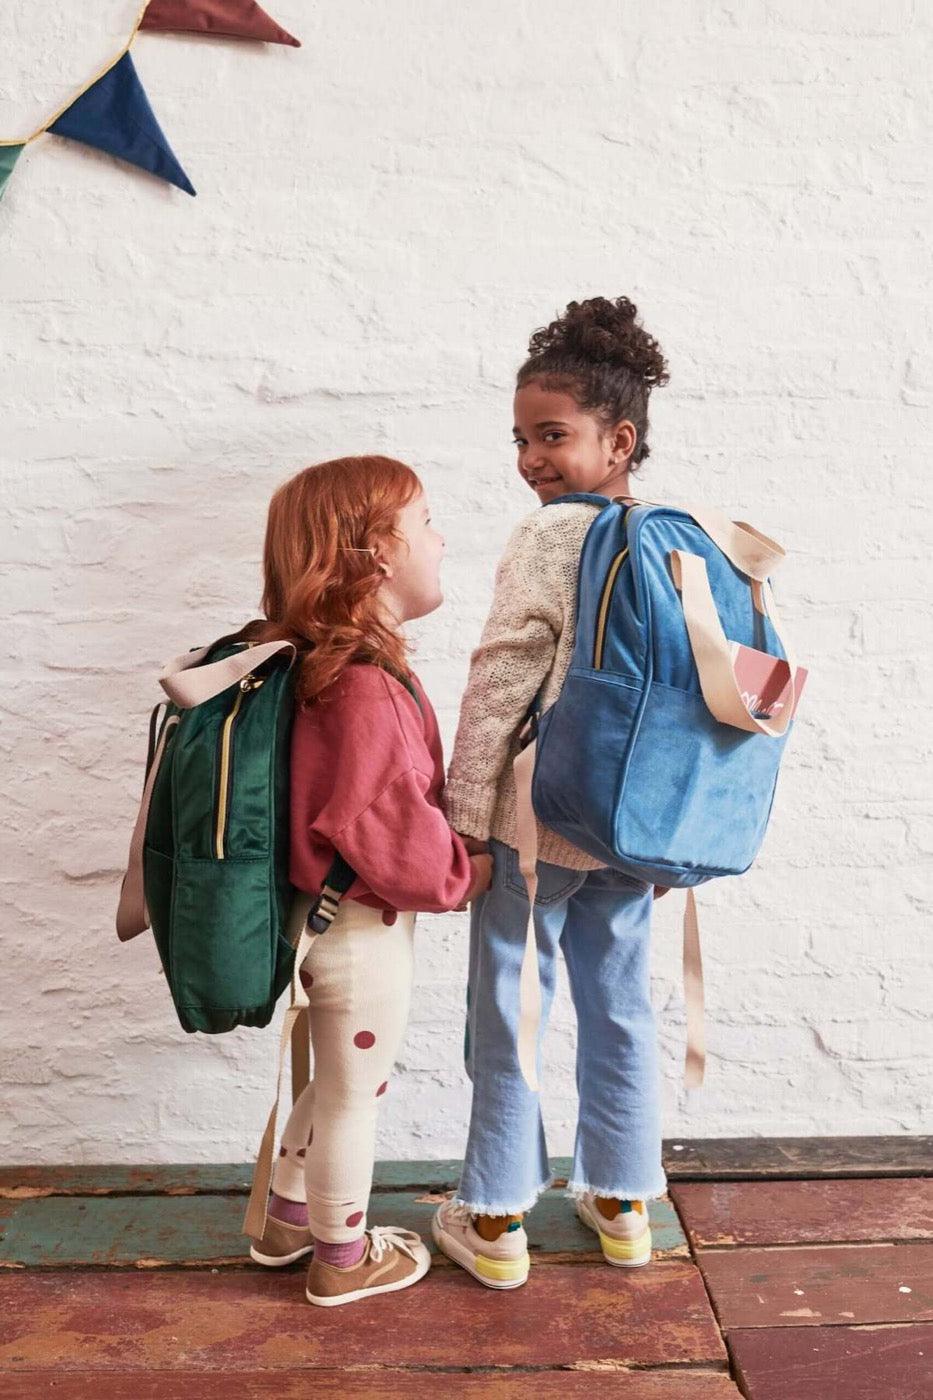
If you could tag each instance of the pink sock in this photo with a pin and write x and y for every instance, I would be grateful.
(342, 1255)
(291, 1212)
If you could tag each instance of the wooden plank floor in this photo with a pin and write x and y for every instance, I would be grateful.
(133, 1281)
(823, 1288)
(205, 1231)
(698, 1159)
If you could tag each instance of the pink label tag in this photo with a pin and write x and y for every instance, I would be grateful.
(764, 681)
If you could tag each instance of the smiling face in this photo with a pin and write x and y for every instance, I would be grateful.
(563, 448)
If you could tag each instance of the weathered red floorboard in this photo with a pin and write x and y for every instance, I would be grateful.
(835, 1363)
(807, 1287)
(805, 1212)
(375, 1384)
(233, 1322)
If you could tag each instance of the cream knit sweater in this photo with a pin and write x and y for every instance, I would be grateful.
(527, 641)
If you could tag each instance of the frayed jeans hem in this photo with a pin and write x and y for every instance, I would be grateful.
(578, 1189)
(484, 1208)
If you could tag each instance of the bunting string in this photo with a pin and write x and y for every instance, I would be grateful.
(112, 63)
(112, 112)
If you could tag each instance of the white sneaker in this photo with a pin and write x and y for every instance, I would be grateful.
(626, 1240)
(501, 1263)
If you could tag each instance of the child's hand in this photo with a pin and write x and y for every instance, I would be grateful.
(661, 889)
(482, 878)
(474, 846)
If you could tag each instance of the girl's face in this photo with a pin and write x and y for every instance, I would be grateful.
(412, 564)
(562, 448)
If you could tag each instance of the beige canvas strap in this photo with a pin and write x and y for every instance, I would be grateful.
(132, 914)
(301, 1056)
(529, 987)
(294, 1023)
(748, 549)
(695, 1061)
(187, 683)
(751, 552)
(712, 652)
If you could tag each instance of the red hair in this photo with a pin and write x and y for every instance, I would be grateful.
(321, 580)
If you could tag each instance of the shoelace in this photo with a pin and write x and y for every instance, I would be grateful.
(384, 1238)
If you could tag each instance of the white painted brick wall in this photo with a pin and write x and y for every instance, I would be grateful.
(383, 218)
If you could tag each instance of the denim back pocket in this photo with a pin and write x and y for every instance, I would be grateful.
(554, 881)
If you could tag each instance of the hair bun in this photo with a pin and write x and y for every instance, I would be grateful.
(604, 331)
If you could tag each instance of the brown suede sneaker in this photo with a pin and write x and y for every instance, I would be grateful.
(281, 1244)
(392, 1259)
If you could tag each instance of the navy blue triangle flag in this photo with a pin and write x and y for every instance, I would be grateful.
(114, 115)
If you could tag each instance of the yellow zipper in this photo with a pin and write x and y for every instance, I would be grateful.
(226, 742)
(604, 602)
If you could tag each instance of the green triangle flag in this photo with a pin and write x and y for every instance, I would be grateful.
(9, 155)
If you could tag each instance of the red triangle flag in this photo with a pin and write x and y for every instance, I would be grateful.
(237, 19)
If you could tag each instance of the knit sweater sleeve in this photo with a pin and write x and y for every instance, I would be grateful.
(507, 669)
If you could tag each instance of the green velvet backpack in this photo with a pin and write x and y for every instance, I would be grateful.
(208, 866)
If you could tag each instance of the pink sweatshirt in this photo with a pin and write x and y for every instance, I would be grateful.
(367, 773)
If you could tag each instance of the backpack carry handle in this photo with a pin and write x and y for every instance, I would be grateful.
(187, 683)
(710, 647)
(752, 552)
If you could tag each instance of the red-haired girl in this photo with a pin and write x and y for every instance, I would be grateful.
(350, 557)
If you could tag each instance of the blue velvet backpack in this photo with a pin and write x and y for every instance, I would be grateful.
(651, 760)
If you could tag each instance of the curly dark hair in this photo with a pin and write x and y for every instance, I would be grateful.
(598, 352)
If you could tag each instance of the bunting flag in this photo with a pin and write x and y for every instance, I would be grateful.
(9, 155)
(115, 116)
(236, 19)
(112, 112)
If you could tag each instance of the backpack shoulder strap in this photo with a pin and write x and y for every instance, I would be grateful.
(132, 914)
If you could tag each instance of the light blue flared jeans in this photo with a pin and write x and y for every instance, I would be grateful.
(601, 920)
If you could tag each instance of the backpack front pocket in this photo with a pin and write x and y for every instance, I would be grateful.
(221, 954)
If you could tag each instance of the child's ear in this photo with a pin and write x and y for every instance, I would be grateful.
(624, 438)
(382, 563)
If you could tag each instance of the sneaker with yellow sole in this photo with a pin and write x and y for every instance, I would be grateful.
(392, 1259)
(626, 1238)
(501, 1263)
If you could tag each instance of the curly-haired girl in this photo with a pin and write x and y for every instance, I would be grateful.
(350, 557)
(581, 426)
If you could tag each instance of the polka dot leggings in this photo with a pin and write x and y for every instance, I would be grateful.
(358, 977)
